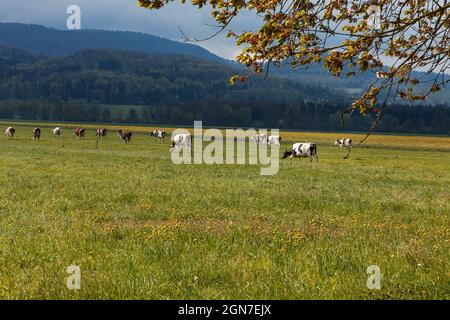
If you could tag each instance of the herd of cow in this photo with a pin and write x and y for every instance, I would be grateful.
(299, 149)
(81, 132)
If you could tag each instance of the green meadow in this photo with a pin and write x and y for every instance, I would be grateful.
(141, 227)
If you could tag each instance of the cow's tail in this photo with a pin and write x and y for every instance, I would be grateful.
(313, 150)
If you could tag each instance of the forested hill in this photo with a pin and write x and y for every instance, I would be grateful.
(12, 58)
(124, 77)
(54, 42)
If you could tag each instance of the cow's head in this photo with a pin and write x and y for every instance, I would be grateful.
(336, 143)
(119, 133)
(172, 146)
(287, 153)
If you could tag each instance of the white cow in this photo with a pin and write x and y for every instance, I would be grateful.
(302, 150)
(57, 131)
(181, 140)
(259, 139)
(347, 143)
(10, 131)
(274, 140)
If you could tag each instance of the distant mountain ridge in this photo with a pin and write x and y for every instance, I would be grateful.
(55, 42)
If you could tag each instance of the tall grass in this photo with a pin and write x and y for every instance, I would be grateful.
(141, 227)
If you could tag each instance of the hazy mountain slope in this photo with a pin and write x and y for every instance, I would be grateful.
(316, 74)
(53, 42)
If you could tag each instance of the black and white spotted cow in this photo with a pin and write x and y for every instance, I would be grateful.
(57, 131)
(158, 134)
(37, 134)
(124, 135)
(259, 139)
(10, 131)
(276, 140)
(302, 150)
(344, 143)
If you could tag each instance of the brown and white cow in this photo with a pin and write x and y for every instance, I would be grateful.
(100, 133)
(79, 132)
(10, 131)
(124, 135)
(37, 134)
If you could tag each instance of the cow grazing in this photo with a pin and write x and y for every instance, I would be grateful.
(100, 133)
(10, 131)
(37, 134)
(79, 132)
(259, 139)
(302, 150)
(181, 140)
(57, 131)
(158, 134)
(274, 140)
(124, 135)
(344, 143)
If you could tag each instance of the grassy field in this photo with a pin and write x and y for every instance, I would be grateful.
(141, 227)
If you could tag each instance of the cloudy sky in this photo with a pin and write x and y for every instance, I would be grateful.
(125, 15)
